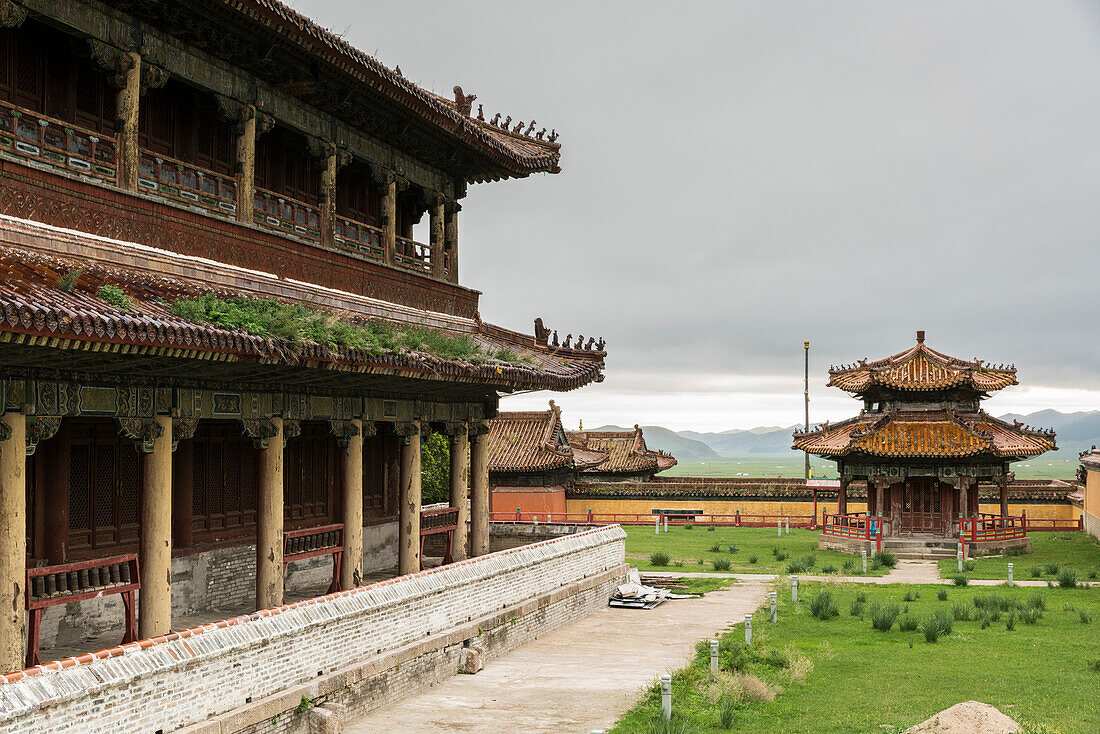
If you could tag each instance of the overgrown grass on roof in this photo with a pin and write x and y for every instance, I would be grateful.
(297, 324)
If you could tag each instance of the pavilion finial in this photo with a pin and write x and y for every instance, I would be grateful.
(920, 337)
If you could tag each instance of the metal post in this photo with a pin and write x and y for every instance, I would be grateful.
(666, 696)
(864, 554)
(794, 589)
(1010, 574)
(666, 523)
(806, 396)
(657, 525)
(775, 606)
(714, 657)
(748, 629)
(787, 525)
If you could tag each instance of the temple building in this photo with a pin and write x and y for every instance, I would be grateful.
(220, 343)
(1089, 476)
(922, 441)
(628, 458)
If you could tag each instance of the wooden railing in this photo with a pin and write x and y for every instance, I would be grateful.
(50, 586)
(986, 528)
(364, 238)
(622, 518)
(437, 522)
(188, 185)
(859, 527)
(287, 215)
(46, 141)
(327, 540)
(1046, 525)
(413, 255)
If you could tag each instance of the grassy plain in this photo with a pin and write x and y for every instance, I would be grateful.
(1049, 552)
(689, 546)
(839, 675)
(791, 465)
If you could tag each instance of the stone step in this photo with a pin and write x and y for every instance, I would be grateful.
(930, 555)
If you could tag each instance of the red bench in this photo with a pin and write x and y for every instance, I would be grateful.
(327, 540)
(50, 586)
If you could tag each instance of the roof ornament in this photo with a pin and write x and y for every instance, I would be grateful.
(518, 127)
(553, 136)
(530, 129)
(555, 342)
(542, 334)
(540, 133)
(920, 337)
(397, 70)
(591, 341)
(463, 101)
(600, 344)
(507, 123)
(580, 342)
(480, 114)
(495, 122)
(568, 341)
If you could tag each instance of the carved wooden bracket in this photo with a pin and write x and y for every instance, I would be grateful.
(41, 428)
(142, 431)
(477, 431)
(259, 430)
(344, 431)
(152, 77)
(406, 431)
(5, 431)
(11, 15)
(291, 429)
(112, 59)
(370, 429)
(454, 430)
(183, 429)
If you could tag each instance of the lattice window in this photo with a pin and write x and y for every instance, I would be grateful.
(309, 473)
(104, 487)
(80, 488)
(374, 476)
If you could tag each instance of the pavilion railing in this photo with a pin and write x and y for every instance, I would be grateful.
(621, 518)
(439, 521)
(364, 238)
(860, 527)
(413, 255)
(189, 185)
(45, 141)
(327, 540)
(987, 528)
(286, 215)
(1039, 525)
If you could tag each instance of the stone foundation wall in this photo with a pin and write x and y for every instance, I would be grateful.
(504, 535)
(356, 646)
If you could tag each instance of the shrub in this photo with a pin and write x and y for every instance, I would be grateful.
(701, 561)
(822, 606)
(960, 580)
(775, 551)
(886, 558)
(1030, 615)
(678, 564)
(798, 566)
(883, 616)
(1052, 569)
(660, 558)
(962, 612)
(721, 564)
(115, 296)
(908, 624)
(849, 567)
(727, 714)
(1035, 571)
(68, 281)
(1010, 622)
(861, 597)
(995, 602)
(985, 621)
(716, 547)
(942, 594)
(710, 528)
(687, 526)
(782, 556)
(911, 595)
(856, 609)
(754, 558)
(828, 568)
(1067, 578)
(968, 565)
(1084, 616)
(875, 565)
(931, 628)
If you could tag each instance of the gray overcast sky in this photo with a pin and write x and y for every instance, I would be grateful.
(740, 176)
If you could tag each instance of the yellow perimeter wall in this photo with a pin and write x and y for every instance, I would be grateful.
(1092, 501)
(779, 507)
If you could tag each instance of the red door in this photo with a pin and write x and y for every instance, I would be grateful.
(922, 510)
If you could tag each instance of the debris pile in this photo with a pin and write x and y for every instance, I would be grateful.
(969, 717)
(636, 595)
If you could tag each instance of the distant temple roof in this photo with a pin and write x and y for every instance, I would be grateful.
(626, 451)
(1091, 458)
(534, 441)
(36, 311)
(921, 368)
(933, 434)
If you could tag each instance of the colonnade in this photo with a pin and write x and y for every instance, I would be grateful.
(155, 439)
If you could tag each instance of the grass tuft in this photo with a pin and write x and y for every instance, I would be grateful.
(886, 558)
(822, 606)
(960, 579)
(941, 594)
(660, 558)
(883, 616)
(1067, 578)
(721, 564)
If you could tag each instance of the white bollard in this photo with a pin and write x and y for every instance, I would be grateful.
(714, 657)
(1010, 574)
(657, 525)
(959, 558)
(666, 696)
(794, 589)
(864, 554)
(775, 606)
(666, 523)
(787, 523)
(779, 528)
(549, 518)
(536, 517)
(748, 629)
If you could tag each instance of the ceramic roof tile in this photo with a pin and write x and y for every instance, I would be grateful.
(626, 450)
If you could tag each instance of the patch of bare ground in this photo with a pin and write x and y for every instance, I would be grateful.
(968, 717)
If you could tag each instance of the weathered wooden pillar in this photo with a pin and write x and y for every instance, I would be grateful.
(127, 106)
(269, 516)
(351, 438)
(1004, 495)
(408, 552)
(450, 238)
(389, 218)
(435, 227)
(479, 492)
(842, 497)
(183, 491)
(880, 504)
(155, 559)
(460, 452)
(13, 539)
(328, 194)
(246, 163)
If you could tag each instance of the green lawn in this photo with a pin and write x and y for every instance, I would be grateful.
(688, 546)
(1076, 550)
(840, 675)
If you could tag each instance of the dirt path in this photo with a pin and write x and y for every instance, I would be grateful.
(581, 677)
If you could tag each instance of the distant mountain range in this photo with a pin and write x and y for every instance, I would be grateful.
(1076, 433)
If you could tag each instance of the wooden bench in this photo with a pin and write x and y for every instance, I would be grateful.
(327, 540)
(50, 586)
(435, 522)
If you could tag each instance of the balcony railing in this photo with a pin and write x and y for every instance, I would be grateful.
(413, 255)
(188, 185)
(45, 141)
(287, 215)
(353, 235)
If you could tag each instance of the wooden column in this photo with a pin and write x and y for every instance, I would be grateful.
(127, 105)
(389, 218)
(842, 497)
(328, 195)
(351, 572)
(460, 452)
(55, 459)
(479, 494)
(1004, 495)
(450, 238)
(269, 519)
(408, 552)
(13, 539)
(435, 227)
(246, 164)
(183, 489)
(155, 559)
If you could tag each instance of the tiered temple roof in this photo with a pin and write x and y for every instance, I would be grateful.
(920, 369)
(626, 451)
(531, 441)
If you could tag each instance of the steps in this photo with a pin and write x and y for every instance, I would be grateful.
(921, 549)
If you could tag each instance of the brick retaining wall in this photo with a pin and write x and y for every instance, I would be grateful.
(353, 642)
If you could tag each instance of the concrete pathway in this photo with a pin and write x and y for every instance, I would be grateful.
(580, 677)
